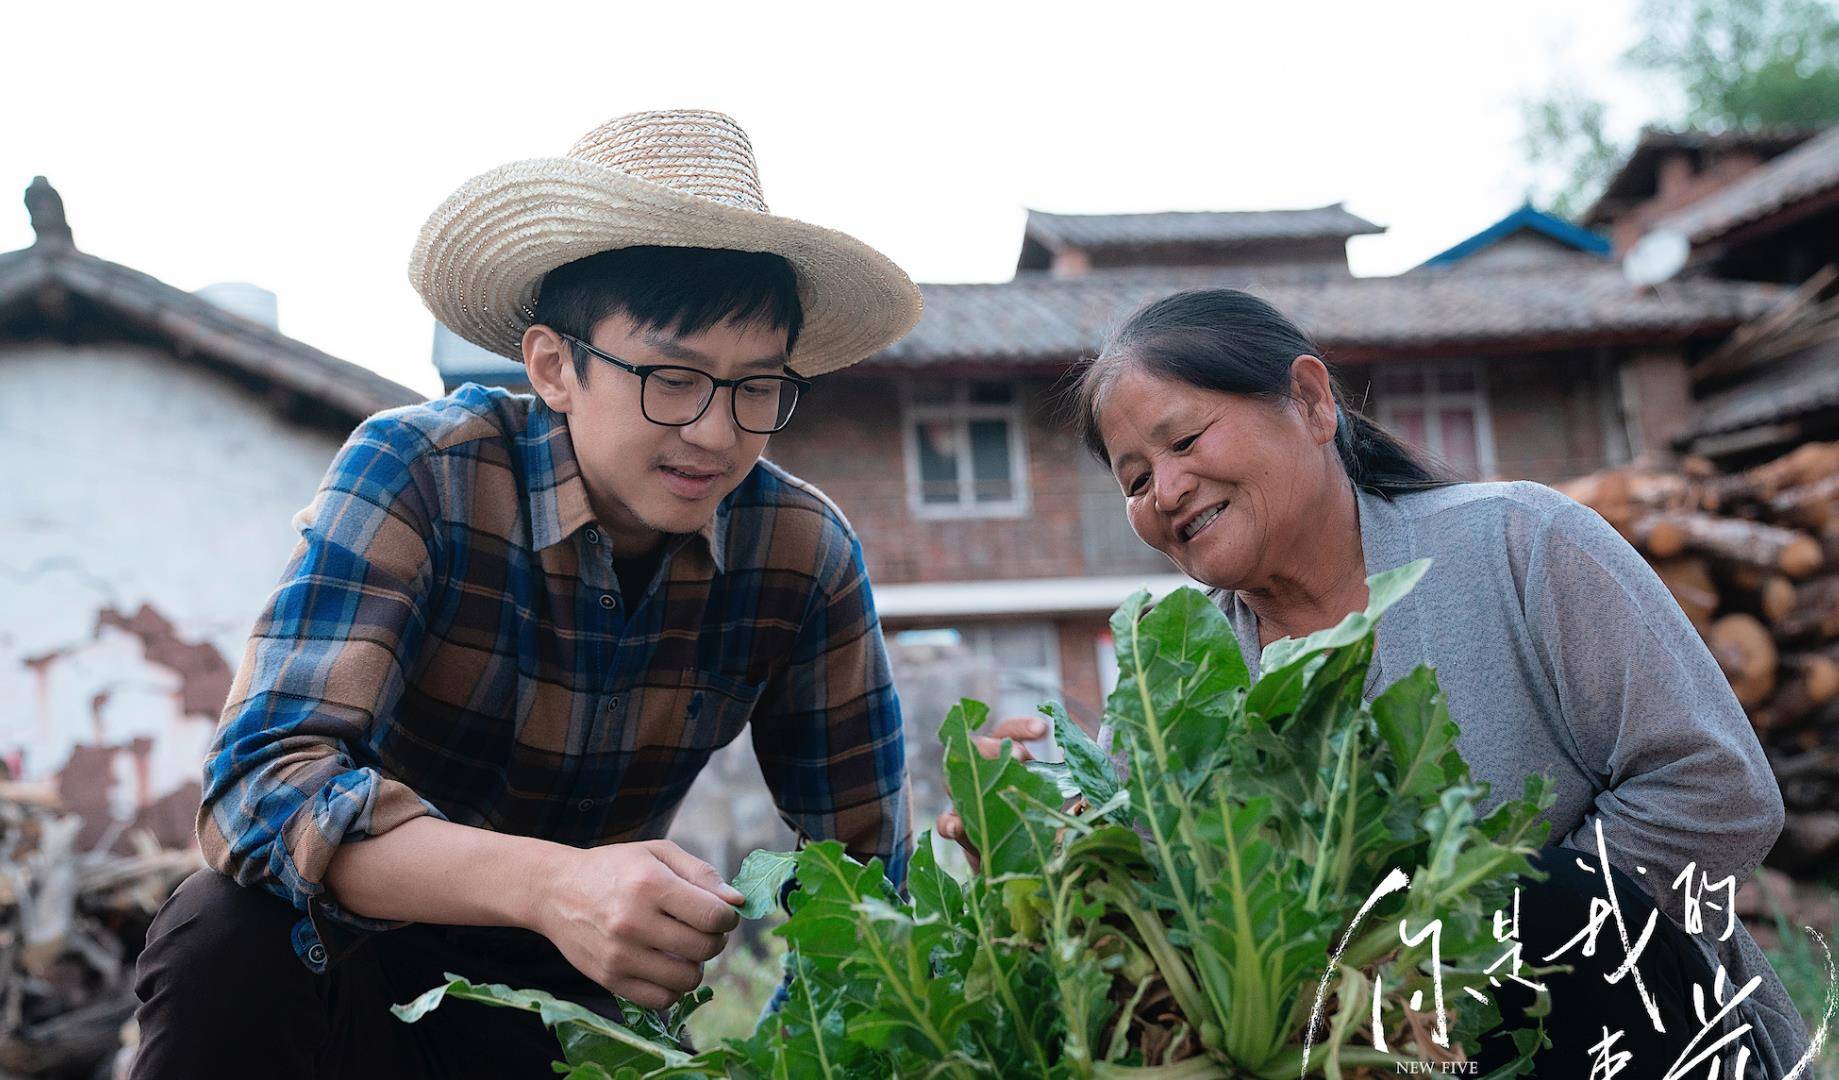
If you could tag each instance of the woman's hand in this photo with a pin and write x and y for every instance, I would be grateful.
(1016, 728)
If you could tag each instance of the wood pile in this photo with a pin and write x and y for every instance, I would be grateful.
(1753, 559)
(71, 925)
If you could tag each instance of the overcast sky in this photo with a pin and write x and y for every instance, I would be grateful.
(301, 146)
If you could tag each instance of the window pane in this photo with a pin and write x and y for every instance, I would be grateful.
(1456, 380)
(938, 461)
(1407, 381)
(930, 392)
(992, 393)
(1408, 424)
(990, 466)
(1458, 438)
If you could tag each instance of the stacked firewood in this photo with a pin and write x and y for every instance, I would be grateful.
(71, 924)
(1753, 559)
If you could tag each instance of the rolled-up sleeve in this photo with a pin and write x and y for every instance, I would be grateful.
(828, 730)
(289, 776)
(1683, 777)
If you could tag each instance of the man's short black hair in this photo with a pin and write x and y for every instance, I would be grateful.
(682, 290)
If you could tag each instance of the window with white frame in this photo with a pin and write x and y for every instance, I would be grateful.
(1441, 408)
(966, 449)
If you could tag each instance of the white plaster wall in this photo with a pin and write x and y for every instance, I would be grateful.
(132, 478)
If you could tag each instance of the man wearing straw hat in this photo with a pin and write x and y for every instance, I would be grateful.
(515, 628)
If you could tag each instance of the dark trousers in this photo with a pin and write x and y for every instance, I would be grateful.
(223, 995)
(1582, 1004)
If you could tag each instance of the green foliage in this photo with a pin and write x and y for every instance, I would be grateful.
(1733, 64)
(1744, 63)
(1175, 917)
(1802, 956)
(763, 874)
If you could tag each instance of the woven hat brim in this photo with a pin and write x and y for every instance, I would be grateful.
(482, 255)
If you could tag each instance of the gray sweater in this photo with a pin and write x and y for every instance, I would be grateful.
(1559, 650)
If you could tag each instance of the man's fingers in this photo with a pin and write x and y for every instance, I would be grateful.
(679, 939)
(695, 871)
(672, 973)
(697, 907)
(650, 995)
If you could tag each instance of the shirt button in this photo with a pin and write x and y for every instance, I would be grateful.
(608, 601)
(613, 704)
(585, 805)
(593, 536)
(317, 954)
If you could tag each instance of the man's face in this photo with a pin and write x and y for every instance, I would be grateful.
(646, 479)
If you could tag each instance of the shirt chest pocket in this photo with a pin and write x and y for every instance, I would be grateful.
(704, 711)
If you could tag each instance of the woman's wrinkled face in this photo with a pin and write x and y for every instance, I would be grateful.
(1220, 483)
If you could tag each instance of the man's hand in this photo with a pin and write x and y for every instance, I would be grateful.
(639, 918)
(1016, 728)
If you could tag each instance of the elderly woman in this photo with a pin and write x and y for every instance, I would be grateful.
(1557, 648)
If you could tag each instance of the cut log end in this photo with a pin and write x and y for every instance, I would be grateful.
(1746, 652)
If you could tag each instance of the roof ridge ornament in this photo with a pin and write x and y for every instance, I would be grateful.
(46, 208)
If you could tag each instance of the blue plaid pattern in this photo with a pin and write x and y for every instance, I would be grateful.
(450, 638)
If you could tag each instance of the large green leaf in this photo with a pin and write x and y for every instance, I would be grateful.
(1383, 591)
(992, 824)
(1179, 673)
(586, 1035)
(1089, 770)
(763, 874)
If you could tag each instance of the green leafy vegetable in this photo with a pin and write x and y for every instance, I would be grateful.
(763, 874)
(1170, 906)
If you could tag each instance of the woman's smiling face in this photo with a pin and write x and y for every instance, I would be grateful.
(1220, 483)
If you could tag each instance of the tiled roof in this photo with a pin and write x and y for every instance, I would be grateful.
(1806, 384)
(1056, 320)
(54, 267)
(1636, 179)
(1809, 170)
(1213, 228)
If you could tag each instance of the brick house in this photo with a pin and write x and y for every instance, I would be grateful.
(1668, 170)
(1773, 220)
(989, 531)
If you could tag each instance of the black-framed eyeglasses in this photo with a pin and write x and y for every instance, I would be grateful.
(675, 396)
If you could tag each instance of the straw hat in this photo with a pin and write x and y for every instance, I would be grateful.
(678, 178)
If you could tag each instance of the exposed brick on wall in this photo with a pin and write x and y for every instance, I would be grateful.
(1678, 183)
(1079, 683)
(1548, 414)
(1657, 397)
(850, 444)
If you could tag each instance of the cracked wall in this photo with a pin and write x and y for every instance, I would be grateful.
(143, 520)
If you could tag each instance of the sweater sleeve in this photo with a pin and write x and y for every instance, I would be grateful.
(1681, 777)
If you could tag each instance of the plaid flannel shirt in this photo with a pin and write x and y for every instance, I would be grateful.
(449, 638)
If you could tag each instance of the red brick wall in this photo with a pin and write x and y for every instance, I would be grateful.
(848, 440)
(1079, 685)
(1678, 183)
(1657, 396)
(1549, 415)
(1556, 415)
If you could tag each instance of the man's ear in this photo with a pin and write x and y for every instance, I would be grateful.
(549, 361)
(1313, 390)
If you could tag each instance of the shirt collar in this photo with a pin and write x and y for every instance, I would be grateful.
(559, 505)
